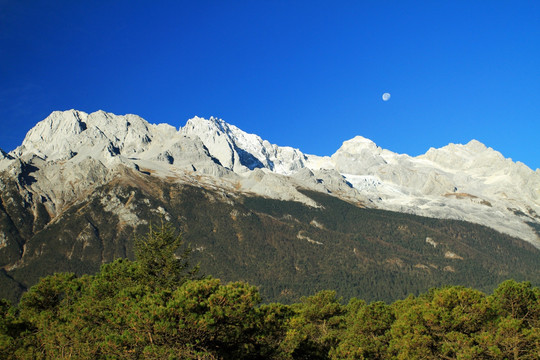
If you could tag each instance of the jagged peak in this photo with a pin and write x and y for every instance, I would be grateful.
(198, 120)
(205, 128)
(199, 124)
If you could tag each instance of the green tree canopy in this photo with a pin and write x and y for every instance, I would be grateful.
(155, 308)
(162, 257)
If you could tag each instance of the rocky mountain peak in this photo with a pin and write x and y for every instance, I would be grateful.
(358, 144)
(357, 155)
(240, 151)
(58, 124)
(474, 154)
(476, 146)
(64, 134)
(197, 123)
(48, 138)
(214, 127)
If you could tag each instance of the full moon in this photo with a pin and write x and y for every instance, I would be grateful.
(386, 96)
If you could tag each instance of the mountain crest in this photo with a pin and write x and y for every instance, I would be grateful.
(476, 145)
(468, 182)
(359, 142)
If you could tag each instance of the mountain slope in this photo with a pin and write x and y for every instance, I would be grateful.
(287, 248)
(80, 185)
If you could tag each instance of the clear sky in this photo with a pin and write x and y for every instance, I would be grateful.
(307, 74)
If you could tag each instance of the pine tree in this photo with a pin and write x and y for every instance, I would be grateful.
(158, 258)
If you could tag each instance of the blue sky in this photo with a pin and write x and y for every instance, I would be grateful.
(307, 74)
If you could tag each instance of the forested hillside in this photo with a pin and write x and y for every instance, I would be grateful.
(286, 248)
(158, 307)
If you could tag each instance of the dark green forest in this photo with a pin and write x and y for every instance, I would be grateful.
(158, 306)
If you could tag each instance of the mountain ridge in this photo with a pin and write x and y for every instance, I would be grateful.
(470, 182)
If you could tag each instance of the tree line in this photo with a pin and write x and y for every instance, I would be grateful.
(159, 307)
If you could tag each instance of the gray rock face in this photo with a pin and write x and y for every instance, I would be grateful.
(70, 153)
(241, 152)
(357, 156)
(63, 135)
(4, 158)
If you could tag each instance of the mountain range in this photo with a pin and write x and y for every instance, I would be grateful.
(81, 185)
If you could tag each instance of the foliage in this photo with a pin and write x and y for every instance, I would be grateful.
(68, 317)
(156, 255)
(127, 312)
(367, 331)
(314, 327)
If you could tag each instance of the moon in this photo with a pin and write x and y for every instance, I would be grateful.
(386, 96)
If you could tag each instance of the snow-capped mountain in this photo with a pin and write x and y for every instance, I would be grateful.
(70, 152)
